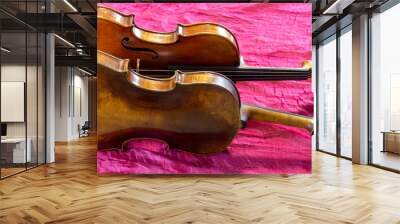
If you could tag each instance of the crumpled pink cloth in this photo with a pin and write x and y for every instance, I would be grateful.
(273, 35)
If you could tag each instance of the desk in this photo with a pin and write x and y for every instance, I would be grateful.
(391, 141)
(13, 150)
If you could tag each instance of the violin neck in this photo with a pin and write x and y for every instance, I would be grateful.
(269, 115)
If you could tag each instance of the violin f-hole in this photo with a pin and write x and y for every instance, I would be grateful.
(128, 44)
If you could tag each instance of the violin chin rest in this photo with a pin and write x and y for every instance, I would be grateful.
(248, 112)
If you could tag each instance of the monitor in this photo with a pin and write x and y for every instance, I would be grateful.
(3, 129)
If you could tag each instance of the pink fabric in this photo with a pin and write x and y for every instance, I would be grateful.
(274, 35)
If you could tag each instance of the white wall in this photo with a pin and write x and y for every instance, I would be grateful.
(62, 81)
(71, 102)
(13, 73)
(33, 127)
(81, 113)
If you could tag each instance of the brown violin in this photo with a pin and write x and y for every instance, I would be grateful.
(205, 44)
(199, 112)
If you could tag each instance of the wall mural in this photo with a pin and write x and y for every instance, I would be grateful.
(192, 88)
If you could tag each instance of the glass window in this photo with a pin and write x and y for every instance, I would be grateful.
(327, 96)
(22, 90)
(346, 93)
(385, 89)
(15, 150)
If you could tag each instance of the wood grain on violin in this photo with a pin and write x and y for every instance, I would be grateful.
(205, 44)
(199, 112)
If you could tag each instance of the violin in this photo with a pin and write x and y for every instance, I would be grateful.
(198, 112)
(194, 47)
(205, 44)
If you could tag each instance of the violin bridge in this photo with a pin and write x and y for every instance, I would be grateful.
(137, 65)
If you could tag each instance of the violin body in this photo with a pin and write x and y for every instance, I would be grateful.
(198, 112)
(204, 44)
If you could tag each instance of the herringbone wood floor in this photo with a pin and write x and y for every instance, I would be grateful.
(70, 191)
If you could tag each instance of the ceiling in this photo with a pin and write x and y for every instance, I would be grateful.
(23, 21)
(332, 15)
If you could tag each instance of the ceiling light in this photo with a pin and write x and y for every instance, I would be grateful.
(86, 72)
(80, 51)
(5, 50)
(70, 5)
(65, 41)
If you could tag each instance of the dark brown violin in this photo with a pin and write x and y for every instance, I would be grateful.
(198, 112)
(205, 44)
